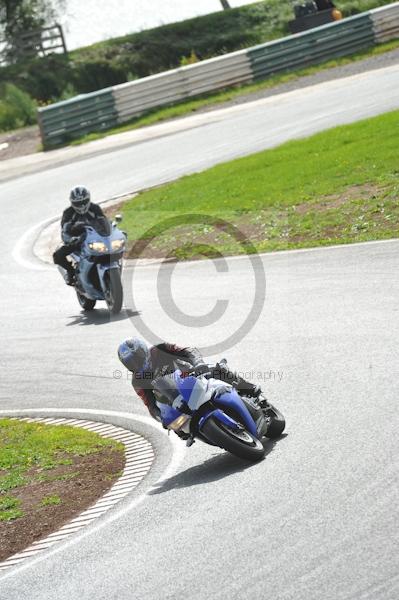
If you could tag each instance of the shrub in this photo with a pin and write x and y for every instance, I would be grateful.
(189, 60)
(17, 108)
(44, 79)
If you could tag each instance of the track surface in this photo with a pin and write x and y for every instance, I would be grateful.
(316, 519)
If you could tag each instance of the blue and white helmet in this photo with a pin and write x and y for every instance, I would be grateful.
(135, 355)
(80, 199)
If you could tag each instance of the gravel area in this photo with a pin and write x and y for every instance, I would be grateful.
(27, 141)
(20, 142)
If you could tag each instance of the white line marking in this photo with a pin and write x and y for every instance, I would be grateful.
(10, 562)
(69, 527)
(128, 486)
(92, 512)
(83, 520)
(134, 470)
(41, 546)
(115, 496)
(22, 252)
(25, 554)
(60, 534)
(132, 474)
(53, 539)
(58, 538)
(99, 504)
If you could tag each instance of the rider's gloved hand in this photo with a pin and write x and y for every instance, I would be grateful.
(221, 389)
(78, 228)
(255, 392)
(188, 369)
(184, 366)
(201, 368)
(74, 241)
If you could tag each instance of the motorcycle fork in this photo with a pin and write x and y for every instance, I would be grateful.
(256, 413)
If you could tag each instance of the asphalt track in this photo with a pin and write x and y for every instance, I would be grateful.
(317, 519)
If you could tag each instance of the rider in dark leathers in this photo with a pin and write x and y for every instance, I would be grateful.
(81, 211)
(148, 365)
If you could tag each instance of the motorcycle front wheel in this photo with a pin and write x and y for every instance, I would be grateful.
(239, 442)
(86, 303)
(114, 291)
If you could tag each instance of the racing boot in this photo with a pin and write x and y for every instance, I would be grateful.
(69, 277)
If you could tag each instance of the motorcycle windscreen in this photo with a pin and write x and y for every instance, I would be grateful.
(194, 391)
(102, 226)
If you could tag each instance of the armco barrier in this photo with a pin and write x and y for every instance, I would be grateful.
(101, 110)
(132, 99)
(66, 120)
(317, 45)
(217, 73)
(385, 22)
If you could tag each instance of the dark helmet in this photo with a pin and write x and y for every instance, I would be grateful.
(134, 354)
(80, 199)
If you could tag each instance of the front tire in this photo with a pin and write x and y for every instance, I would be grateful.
(114, 292)
(86, 303)
(240, 443)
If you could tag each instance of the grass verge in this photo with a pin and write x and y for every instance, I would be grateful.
(48, 474)
(191, 106)
(339, 186)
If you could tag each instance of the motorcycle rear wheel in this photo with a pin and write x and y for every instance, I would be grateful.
(240, 442)
(114, 293)
(86, 303)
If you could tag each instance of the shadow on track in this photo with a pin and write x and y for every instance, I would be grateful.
(214, 468)
(100, 316)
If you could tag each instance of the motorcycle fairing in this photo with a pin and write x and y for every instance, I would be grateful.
(196, 392)
(231, 400)
(85, 265)
(220, 416)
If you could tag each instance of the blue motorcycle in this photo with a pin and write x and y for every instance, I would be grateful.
(98, 264)
(198, 406)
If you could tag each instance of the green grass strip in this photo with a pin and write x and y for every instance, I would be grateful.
(9, 508)
(27, 449)
(337, 186)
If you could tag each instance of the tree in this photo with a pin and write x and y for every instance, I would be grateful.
(24, 15)
(18, 17)
(225, 4)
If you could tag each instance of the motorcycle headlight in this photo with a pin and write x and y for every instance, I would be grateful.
(117, 244)
(98, 246)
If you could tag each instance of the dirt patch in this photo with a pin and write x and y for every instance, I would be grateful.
(20, 142)
(353, 192)
(77, 486)
(200, 241)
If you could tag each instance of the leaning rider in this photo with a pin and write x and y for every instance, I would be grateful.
(147, 364)
(81, 212)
